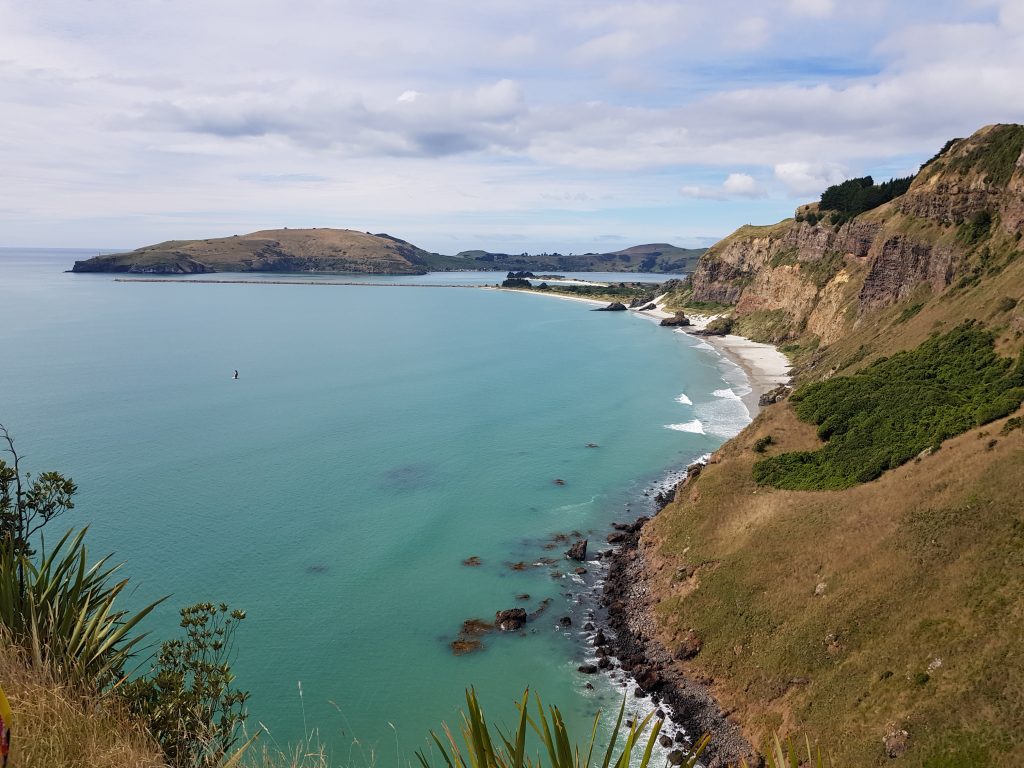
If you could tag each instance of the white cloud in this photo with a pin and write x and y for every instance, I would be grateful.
(803, 178)
(749, 33)
(817, 8)
(406, 109)
(741, 185)
(736, 185)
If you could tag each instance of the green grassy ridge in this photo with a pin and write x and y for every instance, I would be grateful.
(995, 156)
(894, 409)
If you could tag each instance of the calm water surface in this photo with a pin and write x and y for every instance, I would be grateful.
(375, 439)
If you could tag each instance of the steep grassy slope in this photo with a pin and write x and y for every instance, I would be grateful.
(275, 250)
(896, 604)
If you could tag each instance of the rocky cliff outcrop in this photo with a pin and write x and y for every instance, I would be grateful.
(824, 276)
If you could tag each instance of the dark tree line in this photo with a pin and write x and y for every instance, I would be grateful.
(855, 196)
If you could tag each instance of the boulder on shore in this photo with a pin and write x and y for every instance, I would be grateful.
(510, 619)
(578, 551)
(689, 646)
(676, 321)
(773, 396)
(615, 306)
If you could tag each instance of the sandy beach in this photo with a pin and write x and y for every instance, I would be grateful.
(595, 302)
(764, 365)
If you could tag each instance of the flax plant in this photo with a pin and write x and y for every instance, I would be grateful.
(777, 756)
(481, 749)
(66, 615)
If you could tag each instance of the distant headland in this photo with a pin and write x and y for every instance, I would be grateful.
(344, 250)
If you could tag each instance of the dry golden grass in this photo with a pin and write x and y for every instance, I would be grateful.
(924, 564)
(57, 725)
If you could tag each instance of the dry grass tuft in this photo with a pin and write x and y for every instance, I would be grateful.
(59, 724)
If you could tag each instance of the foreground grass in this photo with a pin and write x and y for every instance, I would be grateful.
(58, 723)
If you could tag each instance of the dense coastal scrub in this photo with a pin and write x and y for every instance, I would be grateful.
(891, 411)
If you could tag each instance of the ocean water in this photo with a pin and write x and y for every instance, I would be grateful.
(376, 437)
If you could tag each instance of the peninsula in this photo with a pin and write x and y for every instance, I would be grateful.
(273, 250)
(322, 249)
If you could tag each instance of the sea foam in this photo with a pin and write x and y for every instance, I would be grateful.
(724, 416)
(690, 426)
(684, 399)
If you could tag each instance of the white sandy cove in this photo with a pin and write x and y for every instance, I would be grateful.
(763, 364)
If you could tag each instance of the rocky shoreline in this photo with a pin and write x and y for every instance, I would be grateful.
(628, 632)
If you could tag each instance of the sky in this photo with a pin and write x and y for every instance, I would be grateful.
(533, 125)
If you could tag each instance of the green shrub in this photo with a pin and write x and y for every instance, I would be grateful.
(187, 699)
(762, 443)
(720, 326)
(1011, 424)
(27, 505)
(975, 229)
(909, 312)
(886, 414)
(1006, 304)
(515, 282)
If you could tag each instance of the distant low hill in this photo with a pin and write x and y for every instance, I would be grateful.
(274, 250)
(653, 257)
(345, 250)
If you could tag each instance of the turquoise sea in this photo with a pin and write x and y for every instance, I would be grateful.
(376, 437)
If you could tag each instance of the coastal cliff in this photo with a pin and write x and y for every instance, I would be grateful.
(882, 620)
(802, 277)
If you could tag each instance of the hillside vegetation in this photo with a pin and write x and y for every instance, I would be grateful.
(854, 560)
(653, 257)
(895, 408)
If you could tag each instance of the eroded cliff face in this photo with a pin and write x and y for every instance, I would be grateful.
(827, 278)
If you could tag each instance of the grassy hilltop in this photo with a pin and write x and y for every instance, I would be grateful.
(273, 250)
